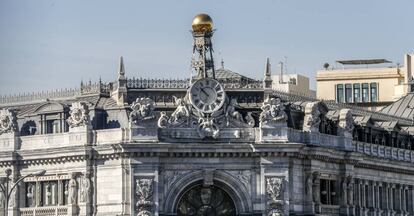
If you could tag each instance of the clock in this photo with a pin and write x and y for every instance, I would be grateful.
(207, 95)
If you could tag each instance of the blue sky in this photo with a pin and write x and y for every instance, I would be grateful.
(51, 44)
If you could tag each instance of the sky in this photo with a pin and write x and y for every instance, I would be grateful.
(55, 44)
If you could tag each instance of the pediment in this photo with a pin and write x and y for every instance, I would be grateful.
(50, 107)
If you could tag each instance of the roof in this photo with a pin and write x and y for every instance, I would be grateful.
(223, 73)
(363, 61)
(403, 107)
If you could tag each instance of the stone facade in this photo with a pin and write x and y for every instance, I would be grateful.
(140, 147)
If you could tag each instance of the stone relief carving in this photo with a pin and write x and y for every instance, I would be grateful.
(346, 123)
(273, 112)
(8, 122)
(144, 194)
(274, 191)
(171, 177)
(79, 115)
(244, 176)
(207, 128)
(206, 125)
(85, 189)
(312, 117)
(142, 110)
(73, 190)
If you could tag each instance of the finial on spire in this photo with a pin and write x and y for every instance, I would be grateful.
(121, 71)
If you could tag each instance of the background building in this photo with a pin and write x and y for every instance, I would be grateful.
(369, 86)
(209, 144)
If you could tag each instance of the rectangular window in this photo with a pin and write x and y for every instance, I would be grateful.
(357, 93)
(328, 192)
(49, 126)
(348, 93)
(374, 92)
(340, 93)
(365, 95)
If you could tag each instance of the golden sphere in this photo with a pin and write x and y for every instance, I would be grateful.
(202, 23)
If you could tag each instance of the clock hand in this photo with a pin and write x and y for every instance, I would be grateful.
(204, 92)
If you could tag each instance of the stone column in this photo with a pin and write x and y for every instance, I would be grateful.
(60, 192)
(387, 198)
(392, 197)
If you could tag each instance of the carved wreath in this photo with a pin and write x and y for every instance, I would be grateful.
(79, 114)
(273, 111)
(7, 121)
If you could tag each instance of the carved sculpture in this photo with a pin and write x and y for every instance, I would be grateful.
(73, 190)
(208, 125)
(85, 189)
(207, 128)
(346, 123)
(274, 191)
(231, 111)
(163, 120)
(273, 112)
(8, 122)
(312, 117)
(79, 115)
(142, 110)
(31, 196)
(144, 193)
(181, 113)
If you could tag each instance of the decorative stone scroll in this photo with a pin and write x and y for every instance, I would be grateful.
(142, 110)
(274, 200)
(79, 115)
(312, 117)
(8, 122)
(346, 123)
(144, 196)
(273, 112)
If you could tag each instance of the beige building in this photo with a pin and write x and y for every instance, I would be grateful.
(290, 83)
(368, 86)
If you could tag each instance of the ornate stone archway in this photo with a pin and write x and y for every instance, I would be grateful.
(202, 200)
(234, 188)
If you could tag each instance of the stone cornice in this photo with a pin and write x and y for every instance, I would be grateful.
(299, 151)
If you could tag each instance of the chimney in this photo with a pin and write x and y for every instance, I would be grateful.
(408, 71)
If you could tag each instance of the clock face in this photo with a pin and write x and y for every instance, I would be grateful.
(207, 95)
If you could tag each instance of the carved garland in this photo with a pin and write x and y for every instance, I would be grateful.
(144, 196)
(8, 122)
(274, 200)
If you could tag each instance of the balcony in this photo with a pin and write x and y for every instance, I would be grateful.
(44, 211)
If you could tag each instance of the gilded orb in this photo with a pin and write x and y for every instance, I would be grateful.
(202, 23)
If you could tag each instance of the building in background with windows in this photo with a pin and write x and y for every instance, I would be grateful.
(290, 83)
(366, 83)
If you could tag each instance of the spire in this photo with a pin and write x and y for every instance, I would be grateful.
(222, 63)
(121, 72)
(267, 82)
(267, 68)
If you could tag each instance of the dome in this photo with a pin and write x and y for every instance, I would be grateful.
(202, 23)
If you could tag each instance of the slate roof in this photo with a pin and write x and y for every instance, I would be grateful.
(403, 107)
(223, 73)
